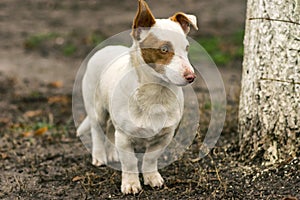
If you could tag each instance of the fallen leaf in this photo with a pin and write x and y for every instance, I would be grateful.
(3, 155)
(27, 134)
(41, 131)
(58, 99)
(32, 113)
(77, 178)
(56, 84)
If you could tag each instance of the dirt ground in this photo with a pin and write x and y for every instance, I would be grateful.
(40, 156)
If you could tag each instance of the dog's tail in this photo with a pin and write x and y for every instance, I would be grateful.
(84, 128)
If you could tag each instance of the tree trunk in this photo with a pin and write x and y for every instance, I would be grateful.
(269, 113)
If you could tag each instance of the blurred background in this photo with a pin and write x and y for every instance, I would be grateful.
(47, 40)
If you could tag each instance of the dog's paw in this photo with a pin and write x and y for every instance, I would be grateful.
(99, 158)
(153, 179)
(96, 162)
(130, 183)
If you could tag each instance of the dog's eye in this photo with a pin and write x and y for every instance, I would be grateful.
(187, 48)
(164, 49)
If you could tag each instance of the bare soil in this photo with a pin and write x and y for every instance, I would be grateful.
(40, 155)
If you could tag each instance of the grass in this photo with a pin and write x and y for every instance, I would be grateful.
(42, 124)
(95, 38)
(34, 41)
(224, 49)
(70, 44)
(69, 49)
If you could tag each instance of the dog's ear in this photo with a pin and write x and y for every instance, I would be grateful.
(143, 19)
(185, 20)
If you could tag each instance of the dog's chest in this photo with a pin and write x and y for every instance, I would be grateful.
(154, 107)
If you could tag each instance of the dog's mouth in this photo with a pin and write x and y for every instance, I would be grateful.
(179, 79)
(183, 82)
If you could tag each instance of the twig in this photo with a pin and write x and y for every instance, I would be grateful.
(220, 180)
(218, 176)
(17, 181)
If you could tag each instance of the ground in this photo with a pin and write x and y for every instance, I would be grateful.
(42, 45)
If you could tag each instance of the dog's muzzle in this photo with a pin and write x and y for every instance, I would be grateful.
(190, 77)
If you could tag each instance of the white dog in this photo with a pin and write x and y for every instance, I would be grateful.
(133, 96)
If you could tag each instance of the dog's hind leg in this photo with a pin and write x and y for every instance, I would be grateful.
(98, 139)
(98, 148)
(84, 128)
(84, 133)
(111, 150)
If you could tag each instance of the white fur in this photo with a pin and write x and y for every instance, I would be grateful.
(167, 30)
(143, 106)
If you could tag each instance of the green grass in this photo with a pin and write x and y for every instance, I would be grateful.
(35, 94)
(96, 38)
(224, 49)
(36, 40)
(69, 49)
(73, 43)
(207, 105)
(42, 124)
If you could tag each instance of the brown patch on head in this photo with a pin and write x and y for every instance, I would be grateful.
(156, 53)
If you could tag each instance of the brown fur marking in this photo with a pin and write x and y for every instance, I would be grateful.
(152, 54)
(184, 22)
(143, 19)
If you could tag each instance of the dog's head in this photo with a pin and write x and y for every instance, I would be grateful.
(163, 44)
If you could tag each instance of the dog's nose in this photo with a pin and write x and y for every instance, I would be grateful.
(190, 77)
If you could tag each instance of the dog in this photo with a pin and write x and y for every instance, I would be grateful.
(133, 96)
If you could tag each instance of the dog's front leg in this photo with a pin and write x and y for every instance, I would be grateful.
(130, 176)
(149, 167)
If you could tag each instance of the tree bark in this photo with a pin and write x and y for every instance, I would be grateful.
(269, 112)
